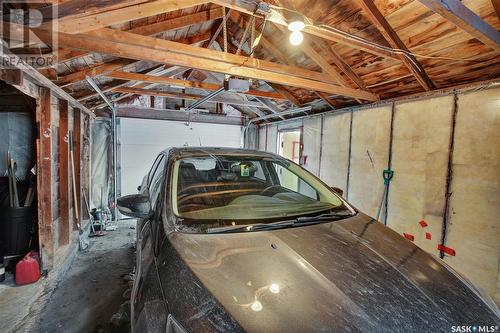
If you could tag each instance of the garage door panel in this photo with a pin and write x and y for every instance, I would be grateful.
(141, 140)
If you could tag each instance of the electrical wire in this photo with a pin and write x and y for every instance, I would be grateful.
(408, 54)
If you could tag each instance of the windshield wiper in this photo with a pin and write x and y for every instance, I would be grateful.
(325, 217)
(299, 221)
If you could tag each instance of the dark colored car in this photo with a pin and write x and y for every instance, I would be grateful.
(234, 240)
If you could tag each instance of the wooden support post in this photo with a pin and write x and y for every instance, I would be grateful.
(63, 170)
(77, 141)
(44, 179)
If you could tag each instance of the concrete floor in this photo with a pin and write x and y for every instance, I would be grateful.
(92, 290)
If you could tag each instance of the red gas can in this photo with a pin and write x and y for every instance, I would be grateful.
(28, 269)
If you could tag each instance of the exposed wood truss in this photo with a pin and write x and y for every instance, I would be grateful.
(117, 64)
(353, 51)
(133, 46)
(155, 28)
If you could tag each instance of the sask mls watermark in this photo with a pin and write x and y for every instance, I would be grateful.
(27, 32)
(474, 329)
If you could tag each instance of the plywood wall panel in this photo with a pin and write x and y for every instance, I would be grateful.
(335, 150)
(369, 156)
(474, 226)
(419, 160)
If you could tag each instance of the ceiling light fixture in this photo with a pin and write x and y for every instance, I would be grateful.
(296, 38)
(296, 25)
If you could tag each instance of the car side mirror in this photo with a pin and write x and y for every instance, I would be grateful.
(135, 205)
(337, 190)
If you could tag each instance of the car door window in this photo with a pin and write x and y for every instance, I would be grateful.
(156, 181)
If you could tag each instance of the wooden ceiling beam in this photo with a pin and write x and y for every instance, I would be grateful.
(331, 35)
(378, 20)
(117, 64)
(153, 29)
(235, 61)
(132, 46)
(76, 25)
(458, 14)
(183, 83)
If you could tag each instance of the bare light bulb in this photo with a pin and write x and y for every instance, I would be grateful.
(296, 25)
(296, 38)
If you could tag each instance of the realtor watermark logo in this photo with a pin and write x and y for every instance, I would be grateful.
(474, 329)
(27, 32)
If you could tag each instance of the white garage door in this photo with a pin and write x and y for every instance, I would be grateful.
(141, 140)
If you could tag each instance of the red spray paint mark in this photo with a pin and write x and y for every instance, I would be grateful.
(423, 224)
(447, 250)
(428, 235)
(409, 236)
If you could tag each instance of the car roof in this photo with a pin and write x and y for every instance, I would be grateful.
(206, 151)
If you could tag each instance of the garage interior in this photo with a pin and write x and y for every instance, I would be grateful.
(394, 102)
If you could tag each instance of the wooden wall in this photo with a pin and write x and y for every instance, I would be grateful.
(56, 214)
(355, 149)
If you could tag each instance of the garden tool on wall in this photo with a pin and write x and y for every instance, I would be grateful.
(387, 174)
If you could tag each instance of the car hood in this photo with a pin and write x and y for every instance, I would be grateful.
(348, 275)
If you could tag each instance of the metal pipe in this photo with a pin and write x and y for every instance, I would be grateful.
(114, 141)
(99, 91)
(205, 98)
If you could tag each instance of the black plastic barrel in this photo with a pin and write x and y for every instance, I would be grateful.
(16, 228)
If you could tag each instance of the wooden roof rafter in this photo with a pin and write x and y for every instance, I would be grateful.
(154, 29)
(464, 18)
(133, 46)
(331, 35)
(118, 63)
(409, 60)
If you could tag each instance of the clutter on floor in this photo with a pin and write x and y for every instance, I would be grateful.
(18, 224)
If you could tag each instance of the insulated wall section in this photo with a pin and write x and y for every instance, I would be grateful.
(419, 160)
(335, 150)
(473, 230)
(369, 156)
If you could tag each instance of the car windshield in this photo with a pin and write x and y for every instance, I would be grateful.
(225, 190)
